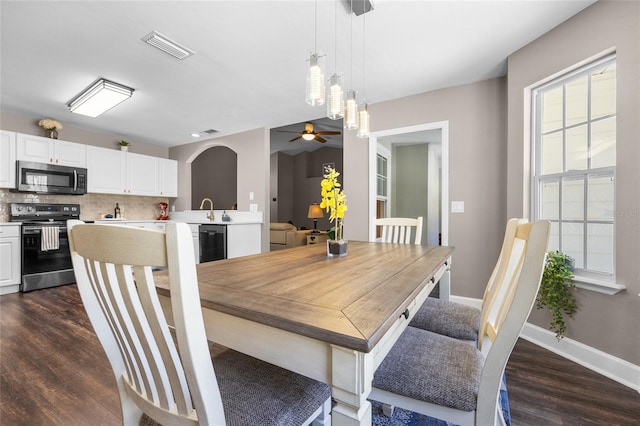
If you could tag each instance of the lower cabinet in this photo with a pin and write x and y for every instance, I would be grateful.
(9, 259)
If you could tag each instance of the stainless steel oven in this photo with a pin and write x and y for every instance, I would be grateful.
(46, 260)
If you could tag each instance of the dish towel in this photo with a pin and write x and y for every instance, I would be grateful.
(49, 239)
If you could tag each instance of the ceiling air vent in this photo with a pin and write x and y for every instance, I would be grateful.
(167, 45)
(210, 131)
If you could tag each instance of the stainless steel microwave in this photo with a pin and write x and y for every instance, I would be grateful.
(50, 178)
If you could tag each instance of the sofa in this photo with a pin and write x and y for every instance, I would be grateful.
(286, 235)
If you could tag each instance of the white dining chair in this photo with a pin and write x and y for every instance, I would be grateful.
(449, 379)
(462, 321)
(399, 229)
(159, 380)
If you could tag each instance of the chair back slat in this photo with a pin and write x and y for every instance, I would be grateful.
(398, 230)
(508, 311)
(113, 268)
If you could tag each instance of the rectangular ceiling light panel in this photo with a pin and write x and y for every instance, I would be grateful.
(99, 98)
(167, 45)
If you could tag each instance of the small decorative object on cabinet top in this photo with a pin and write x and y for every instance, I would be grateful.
(334, 201)
(124, 145)
(51, 127)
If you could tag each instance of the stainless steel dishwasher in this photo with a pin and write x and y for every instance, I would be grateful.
(213, 242)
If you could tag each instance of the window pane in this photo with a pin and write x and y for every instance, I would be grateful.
(603, 92)
(600, 247)
(577, 148)
(603, 143)
(554, 237)
(577, 101)
(552, 110)
(550, 196)
(600, 203)
(572, 199)
(551, 153)
(572, 242)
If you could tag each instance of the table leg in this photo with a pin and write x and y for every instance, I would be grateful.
(352, 373)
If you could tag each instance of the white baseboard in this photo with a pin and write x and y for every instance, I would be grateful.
(476, 303)
(603, 363)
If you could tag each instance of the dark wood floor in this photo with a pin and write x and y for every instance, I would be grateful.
(53, 371)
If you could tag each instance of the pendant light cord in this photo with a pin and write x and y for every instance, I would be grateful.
(335, 36)
(351, 42)
(364, 38)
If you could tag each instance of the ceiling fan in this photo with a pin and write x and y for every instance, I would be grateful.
(308, 134)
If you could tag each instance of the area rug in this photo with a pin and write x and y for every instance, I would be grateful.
(403, 417)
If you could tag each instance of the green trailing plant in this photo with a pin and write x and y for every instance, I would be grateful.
(556, 291)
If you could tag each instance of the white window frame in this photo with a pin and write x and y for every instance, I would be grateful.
(592, 280)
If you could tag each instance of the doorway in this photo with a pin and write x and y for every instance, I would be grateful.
(409, 177)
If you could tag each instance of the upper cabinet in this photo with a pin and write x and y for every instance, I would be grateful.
(7, 159)
(106, 169)
(117, 172)
(168, 177)
(51, 151)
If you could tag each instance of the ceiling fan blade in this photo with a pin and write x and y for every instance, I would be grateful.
(295, 139)
(328, 132)
(320, 139)
(286, 131)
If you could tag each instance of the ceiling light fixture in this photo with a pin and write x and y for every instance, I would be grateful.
(315, 74)
(363, 110)
(308, 136)
(351, 106)
(99, 98)
(167, 45)
(335, 104)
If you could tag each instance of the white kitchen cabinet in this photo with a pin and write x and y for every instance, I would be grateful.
(117, 172)
(168, 177)
(107, 170)
(195, 234)
(142, 175)
(51, 151)
(9, 259)
(7, 159)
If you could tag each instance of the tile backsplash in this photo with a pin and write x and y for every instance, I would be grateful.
(91, 205)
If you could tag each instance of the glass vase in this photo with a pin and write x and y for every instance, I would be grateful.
(337, 248)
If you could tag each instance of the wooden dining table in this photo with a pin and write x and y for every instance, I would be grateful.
(331, 319)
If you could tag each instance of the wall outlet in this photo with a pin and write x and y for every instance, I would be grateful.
(457, 207)
(253, 207)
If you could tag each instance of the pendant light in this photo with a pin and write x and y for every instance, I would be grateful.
(335, 104)
(363, 109)
(351, 106)
(315, 74)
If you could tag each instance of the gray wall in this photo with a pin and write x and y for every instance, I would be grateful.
(298, 184)
(214, 176)
(410, 176)
(15, 122)
(252, 148)
(608, 323)
(477, 169)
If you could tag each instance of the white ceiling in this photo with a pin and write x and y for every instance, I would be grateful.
(249, 67)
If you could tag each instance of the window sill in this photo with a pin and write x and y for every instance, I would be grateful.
(598, 285)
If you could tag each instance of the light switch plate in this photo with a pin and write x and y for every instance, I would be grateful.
(457, 207)
(251, 196)
(253, 207)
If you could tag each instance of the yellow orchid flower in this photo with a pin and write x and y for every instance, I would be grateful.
(334, 200)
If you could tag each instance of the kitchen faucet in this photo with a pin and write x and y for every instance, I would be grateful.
(210, 215)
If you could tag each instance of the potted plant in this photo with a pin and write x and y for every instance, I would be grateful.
(556, 291)
(334, 201)
(124, 145)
